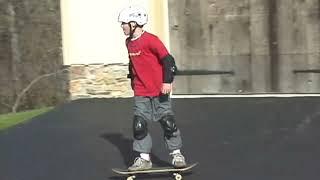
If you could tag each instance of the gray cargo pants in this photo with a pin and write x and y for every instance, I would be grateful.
(152, 109)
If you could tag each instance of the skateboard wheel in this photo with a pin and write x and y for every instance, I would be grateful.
(177, 176)
(131, 178)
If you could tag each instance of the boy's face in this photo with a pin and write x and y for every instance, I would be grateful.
(126, 28)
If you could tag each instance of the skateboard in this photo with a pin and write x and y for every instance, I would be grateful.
(176, 172)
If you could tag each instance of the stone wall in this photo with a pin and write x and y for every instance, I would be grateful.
(99, 81)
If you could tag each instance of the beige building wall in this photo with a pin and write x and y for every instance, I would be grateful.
(159, 20)
(92, 34)
(93, 44)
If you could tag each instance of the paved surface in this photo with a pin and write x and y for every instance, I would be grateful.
(231, 138)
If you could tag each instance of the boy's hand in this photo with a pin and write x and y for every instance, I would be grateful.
(166, 88)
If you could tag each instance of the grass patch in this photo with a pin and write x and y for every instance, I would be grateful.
(12, 119)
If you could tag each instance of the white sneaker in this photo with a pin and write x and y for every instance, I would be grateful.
(178, 160)
(140, 164)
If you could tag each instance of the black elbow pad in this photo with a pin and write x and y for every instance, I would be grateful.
(169, 68)
(130, 75)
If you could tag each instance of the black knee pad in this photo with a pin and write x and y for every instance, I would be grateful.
(169, 126)
(140, 129)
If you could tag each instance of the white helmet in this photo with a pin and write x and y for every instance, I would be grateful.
(136, 14)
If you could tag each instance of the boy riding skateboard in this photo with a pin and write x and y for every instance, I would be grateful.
(151, 70)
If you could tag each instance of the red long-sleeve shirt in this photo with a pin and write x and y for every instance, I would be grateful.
(146, 53)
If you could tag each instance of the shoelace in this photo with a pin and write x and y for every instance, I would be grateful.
(177, 157)
(137, 161)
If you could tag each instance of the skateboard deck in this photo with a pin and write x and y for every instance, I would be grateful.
(176, 172)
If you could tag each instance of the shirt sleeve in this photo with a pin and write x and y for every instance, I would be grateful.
(158, 48)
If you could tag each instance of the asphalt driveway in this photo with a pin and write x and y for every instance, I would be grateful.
(231, 138)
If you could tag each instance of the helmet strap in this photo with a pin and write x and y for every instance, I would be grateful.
(132, 30)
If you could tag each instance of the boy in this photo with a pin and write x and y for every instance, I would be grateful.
(152, 70)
